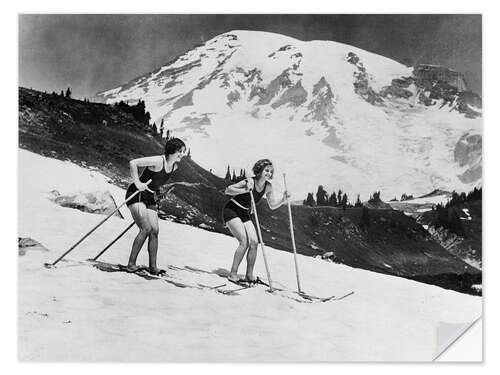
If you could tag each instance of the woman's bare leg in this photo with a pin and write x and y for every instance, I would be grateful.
(238, 231)
(252, 249)
(153, 240)
(139, 214)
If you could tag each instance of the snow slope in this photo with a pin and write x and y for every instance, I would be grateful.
(308, 106)
(75, 312)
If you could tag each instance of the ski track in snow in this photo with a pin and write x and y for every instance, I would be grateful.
(75, 312)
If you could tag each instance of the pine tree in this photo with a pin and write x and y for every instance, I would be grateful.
(344, 200)
(339, 197)
(310, 200)
(375, 198)
(475, 194)
(321, 196)
(168, 135)
(68, 93)
(155, 130)
(228, 174)
(358, 202)
(162, 127)
(62, 93)
(234, 177)
(189, 153)
(333, 200)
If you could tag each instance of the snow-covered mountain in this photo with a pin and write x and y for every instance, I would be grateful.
(75, 312)
(324, 112)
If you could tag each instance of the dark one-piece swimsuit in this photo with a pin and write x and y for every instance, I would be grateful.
(241, 205)
(150, 199)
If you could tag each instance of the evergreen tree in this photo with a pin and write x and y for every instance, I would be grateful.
(168, 135)
(228, 174)
(234, 177)
(321, 196)
(155, 130)
(332, 201)
(162, 128)
(62, 93)
(375, 198)
(475, 194)
(344, 200)
(68, 93)
(310, 200)
(339, 197)
(358, 202)
(189, 153)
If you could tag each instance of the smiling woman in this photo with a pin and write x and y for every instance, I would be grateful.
(236, 214)
(143, 206)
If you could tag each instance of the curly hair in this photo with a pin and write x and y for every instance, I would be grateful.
(260, 165)
(173, 145)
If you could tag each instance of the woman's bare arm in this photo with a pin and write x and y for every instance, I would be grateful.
(151, 161)
(272, 200)
(244, 186)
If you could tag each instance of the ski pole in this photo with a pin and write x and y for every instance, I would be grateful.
(293, 238)
(261, 242)
(93, 229)
(116, 239)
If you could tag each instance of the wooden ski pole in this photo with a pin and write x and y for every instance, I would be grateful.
(93, 229)
(116, 239)
(293, 238)
(261, 242)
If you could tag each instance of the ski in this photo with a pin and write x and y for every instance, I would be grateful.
(144, 273)
(304, 297)
(323, 299)
(226, 292)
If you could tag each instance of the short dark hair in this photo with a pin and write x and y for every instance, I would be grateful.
(260, 165)
(173, 145)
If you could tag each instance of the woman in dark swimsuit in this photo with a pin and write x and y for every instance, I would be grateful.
(144, 205)
(236, 214)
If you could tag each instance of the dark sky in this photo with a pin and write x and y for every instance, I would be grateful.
(91, 53)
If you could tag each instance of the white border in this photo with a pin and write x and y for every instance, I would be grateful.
(491, 85)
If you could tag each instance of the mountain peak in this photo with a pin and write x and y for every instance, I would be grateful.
(363, 120)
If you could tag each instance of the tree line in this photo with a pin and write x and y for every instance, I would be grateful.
(138, 112)
(232, 177)
(449, 215)
(335, 199)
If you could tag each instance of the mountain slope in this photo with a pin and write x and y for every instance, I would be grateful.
(392, 243)
(75, 313)
(329, 112)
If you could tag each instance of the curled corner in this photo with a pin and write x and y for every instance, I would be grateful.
(448, 333)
